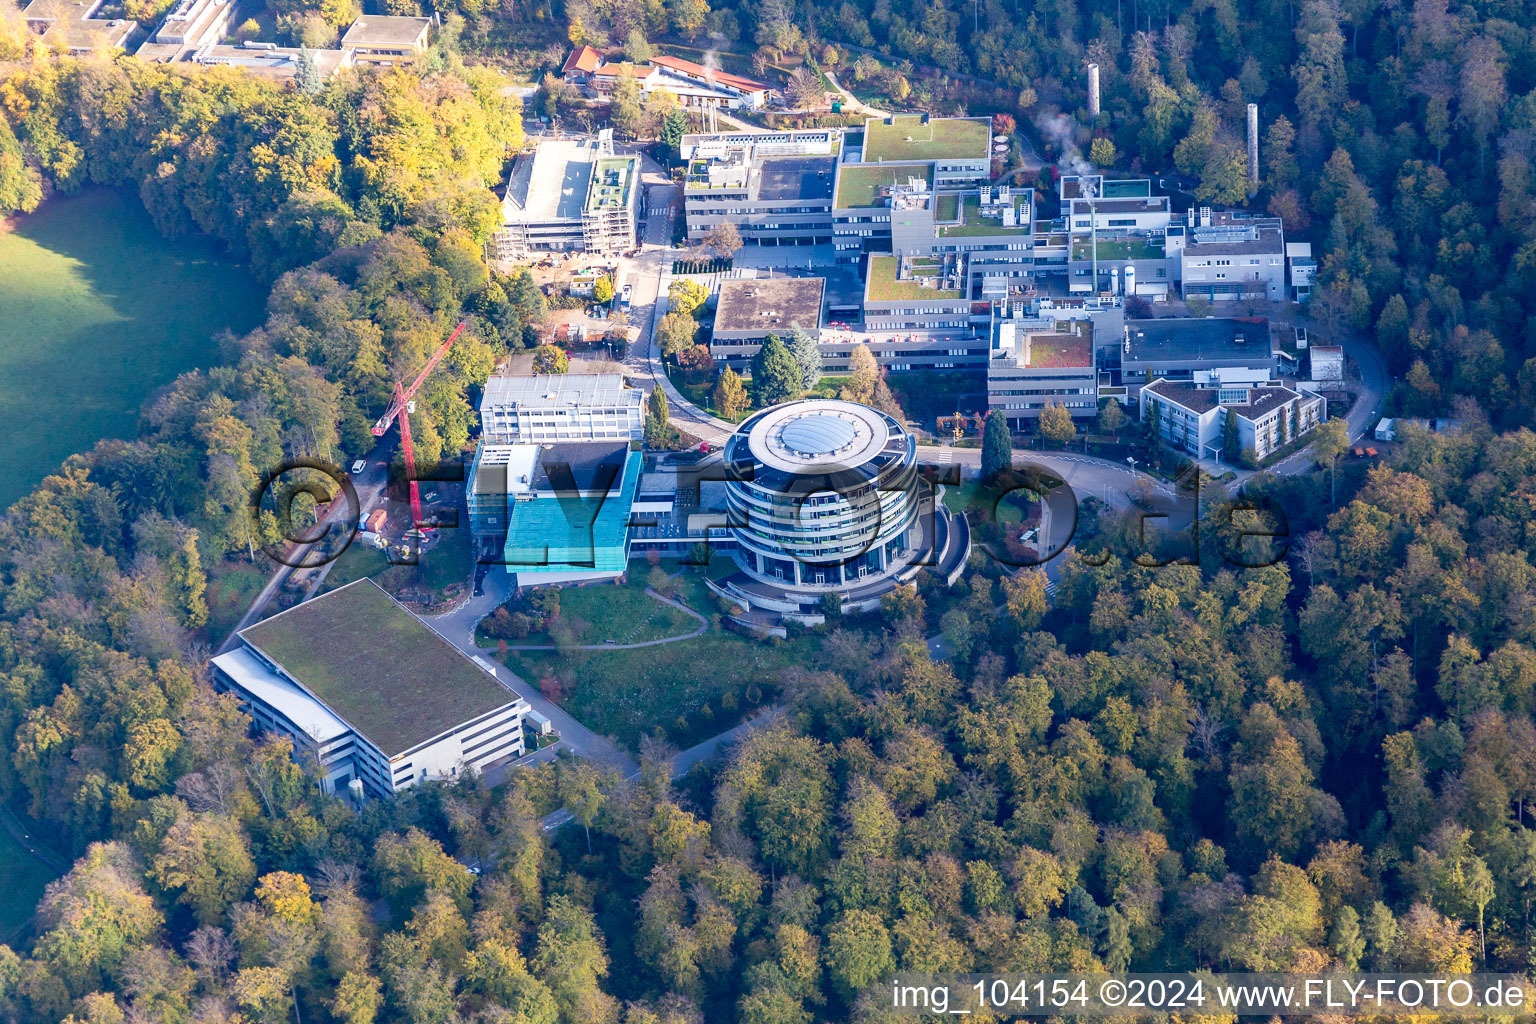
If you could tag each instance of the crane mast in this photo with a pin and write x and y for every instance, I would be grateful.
(399, 409)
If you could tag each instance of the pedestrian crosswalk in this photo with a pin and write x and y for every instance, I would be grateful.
(657, 211)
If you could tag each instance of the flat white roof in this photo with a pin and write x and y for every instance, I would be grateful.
(551, 184)
(521, 461)
(385, 30)
(558, 391)
(257, 679)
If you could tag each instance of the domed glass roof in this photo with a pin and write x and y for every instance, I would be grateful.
(818, 434)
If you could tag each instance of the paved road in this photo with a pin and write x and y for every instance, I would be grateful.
(370, 485)
(683, 762)
(851, 103)
(458, 628)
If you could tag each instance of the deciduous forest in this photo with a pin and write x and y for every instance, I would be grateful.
(1323, 762)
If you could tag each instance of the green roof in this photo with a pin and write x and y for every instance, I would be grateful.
(1129, 188)
(611, 179)
(975, 224)
(883, 286)
(377, 666)
(916, 137)
(858, 185)
(1132, 247)
(946, 207)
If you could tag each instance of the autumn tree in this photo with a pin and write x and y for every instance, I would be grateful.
(551, 359)
(724, 239)
(1056, 424)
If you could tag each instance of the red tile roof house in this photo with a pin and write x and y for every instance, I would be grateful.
(693, 84)
(580, 64)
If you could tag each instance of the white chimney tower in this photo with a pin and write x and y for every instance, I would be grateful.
(1253, 143)
(1093, 90)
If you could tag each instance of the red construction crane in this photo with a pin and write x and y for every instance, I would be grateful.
(401, 407)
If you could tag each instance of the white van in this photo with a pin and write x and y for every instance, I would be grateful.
(359, 466)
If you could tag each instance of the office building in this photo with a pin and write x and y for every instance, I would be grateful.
(916, 293)
(74, 27)
(1204, 350)
(1032, 367)
(370, 694)
(1203, 420)
(890, 174)
(959, 148)
(1301, 267)
(570, 195)
(824, 498)
(554, 513)
(1187, 416)
(279, 63)
(776, 187)
(195, 31)
(750, 309)
(386, 39)
(1273, 417)
(1229, 255)
(190, 25)
(1113, 226)
(689, 84)
(540, 409)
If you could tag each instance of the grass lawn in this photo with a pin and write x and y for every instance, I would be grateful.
(940, 137)
(701, 395)
(449, 561)
(883, 286)
(231, 588)
(829, 386)
(858, 186)
(622, 613)
(22, 878)
(927, 394)
(689, 691)
(1012, 510)
(96, 311)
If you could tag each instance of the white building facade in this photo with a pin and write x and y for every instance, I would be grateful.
(544, 409)
(467, 721)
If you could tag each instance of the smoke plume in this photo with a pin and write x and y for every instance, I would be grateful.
(1062, 130)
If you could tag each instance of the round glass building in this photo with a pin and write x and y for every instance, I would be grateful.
(822, 494)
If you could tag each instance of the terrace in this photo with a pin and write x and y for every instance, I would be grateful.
(883, 285)
(914, 137)
(859, 186)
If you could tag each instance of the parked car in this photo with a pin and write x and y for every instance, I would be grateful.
(359, 466)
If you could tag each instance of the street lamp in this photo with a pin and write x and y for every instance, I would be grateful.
(1132, 460)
